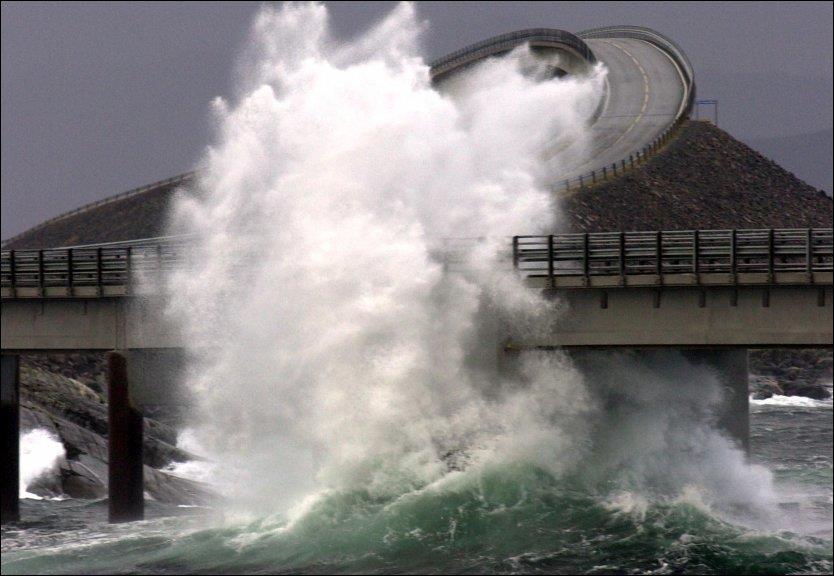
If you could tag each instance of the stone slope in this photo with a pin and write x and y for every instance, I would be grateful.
(141, 215)
(705, 179)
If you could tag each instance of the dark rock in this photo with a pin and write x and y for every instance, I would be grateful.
(54, 399)
(79, 481)
(798, 372)
(32, 417)
(815, 390)
(171, 489)
(762, 387)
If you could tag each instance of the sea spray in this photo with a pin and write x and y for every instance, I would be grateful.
(420, 456)
(332, 348)
(40, 454)
(656, 434)
(337, 350)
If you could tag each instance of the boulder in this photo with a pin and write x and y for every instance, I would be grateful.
(762, 387)
(79, 481)
(815, 390)
(797, 372)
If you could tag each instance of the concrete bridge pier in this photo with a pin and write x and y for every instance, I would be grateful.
(10, 396)
(730, 367)
(126, 500)
(156, 376)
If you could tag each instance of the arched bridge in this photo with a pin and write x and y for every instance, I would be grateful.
(649, 90)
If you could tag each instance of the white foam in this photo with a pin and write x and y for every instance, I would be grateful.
(40, 454)
(792, 402)
(201, 470)
(331, 349)
(630, 503)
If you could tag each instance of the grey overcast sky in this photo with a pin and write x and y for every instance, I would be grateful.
(101, 97)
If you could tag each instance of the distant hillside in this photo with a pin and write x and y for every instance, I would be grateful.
(132, 215)
(703, 179)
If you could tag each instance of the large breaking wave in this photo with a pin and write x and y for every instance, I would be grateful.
(349, 383)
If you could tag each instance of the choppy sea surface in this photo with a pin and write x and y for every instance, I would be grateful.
(514, 519)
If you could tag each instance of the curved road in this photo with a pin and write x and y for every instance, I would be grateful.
(646, 93)
(649, 86)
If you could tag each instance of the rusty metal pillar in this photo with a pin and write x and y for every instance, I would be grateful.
(126, 490)
(10, 396)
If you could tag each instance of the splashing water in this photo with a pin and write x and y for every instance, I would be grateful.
(334, 351)
(40, 453)
(348, 387)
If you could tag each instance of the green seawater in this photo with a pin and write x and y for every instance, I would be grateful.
(502, 519)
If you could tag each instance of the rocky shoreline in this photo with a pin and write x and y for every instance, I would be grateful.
(65, 395)
(790, 373)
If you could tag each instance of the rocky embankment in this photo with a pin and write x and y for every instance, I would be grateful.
(704, 178)
(790, 373)
(65, 395)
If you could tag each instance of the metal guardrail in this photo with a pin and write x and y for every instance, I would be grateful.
(98, 266)
(497, 44)
(114, 269)
(506, 42)
(666, 44)
(648, 35)
(489, 46)
(616, 169)
(696, 253)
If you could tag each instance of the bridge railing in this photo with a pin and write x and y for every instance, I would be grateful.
(506, 42)
(98, 266)
(694, 252)
(763, 256)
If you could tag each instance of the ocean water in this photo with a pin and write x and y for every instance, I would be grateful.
(504, 519)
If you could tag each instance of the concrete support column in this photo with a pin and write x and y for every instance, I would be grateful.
(10, 396)
(730, 366)
(156, 377)
(125, 474)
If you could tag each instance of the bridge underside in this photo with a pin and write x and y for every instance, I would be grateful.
(633, 317)
(690, 317)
